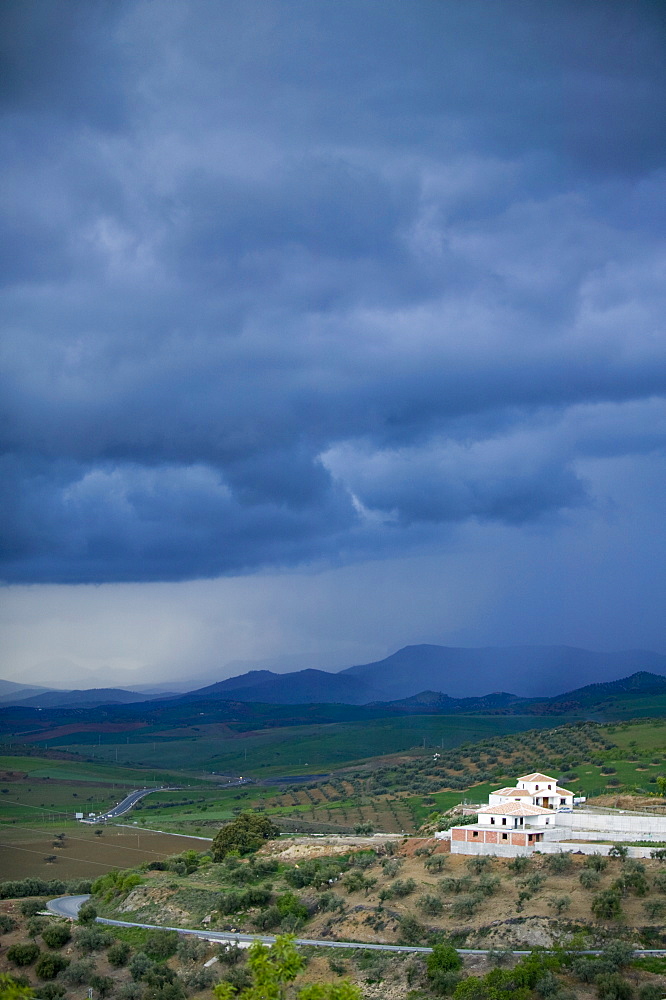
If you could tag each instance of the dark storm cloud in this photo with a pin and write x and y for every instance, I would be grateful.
(294, 282)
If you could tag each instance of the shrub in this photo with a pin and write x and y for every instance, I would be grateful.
(596, 862)
(618, 954)
(22, 954)
(589, 878)
(436, 863)
(87, 914)
(118, 954)
(161, 945)
(6, 923)
(477, 865)
(89, 939)
(613, 986)
(191, 949)
(559, 864)
(466, 906)
(607, 905)
(198, 979)
(79, 972)
(56, 935)
(49, 965)
(650, 991)
(410, 931)
(139, 966)
(430, 904)
(50, 991)
(31, 907)
(443, 958)
(102, 984)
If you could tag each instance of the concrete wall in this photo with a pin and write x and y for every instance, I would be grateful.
(624, 824)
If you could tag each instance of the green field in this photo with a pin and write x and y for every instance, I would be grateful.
(308, 749)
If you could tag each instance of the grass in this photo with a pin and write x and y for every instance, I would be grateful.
(308, 749)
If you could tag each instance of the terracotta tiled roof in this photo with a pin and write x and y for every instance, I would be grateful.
(512, 791)
(537, 776)
(516, 809)
(563, 791)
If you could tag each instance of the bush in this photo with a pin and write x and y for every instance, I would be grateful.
(617, 954)
(596, 862)
(245, 834)
(56, 935)
(102, 984)
(89, 939)
(650, 991)
(607, 905)
(466, 906)
(589, 878)
(79, 972)
(31, 907)
(613, 986)
(443, 958)
(118, 954)
(52, 991)
(87, 914)
(559, 864)
(22, 954)
(430, 904)
(139, 966)
(6, 923)
(49, 965)
(161, 945)
(410, 931)
(191, 949)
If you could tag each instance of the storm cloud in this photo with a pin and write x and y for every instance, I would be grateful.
(290, 284)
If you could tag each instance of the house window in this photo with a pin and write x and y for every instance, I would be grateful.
(549, 787)
(505, 836)
(529, 837)
(492, 821)
(536, 788)
(475, 833)
(503, 820)
(563, 802)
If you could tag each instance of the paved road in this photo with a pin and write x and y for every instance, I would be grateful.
(131, 800)
(68, 906)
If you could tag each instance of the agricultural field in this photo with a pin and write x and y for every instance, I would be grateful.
(303, 749)
(76, 850)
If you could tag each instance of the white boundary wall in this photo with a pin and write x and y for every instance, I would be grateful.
(616, 826)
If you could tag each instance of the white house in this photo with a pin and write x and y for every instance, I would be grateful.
(516, 817)
(536, 789)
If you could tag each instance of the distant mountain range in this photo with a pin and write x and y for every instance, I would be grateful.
(426, 674)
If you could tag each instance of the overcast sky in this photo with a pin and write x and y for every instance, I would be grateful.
(329, 327)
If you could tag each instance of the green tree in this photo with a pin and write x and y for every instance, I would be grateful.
(271, 969)
(245, 834)
(87, 914)
(11, 990)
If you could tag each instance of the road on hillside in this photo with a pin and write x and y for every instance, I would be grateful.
(131, 800)
(68, 906)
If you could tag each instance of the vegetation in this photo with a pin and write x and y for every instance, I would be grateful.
(244, 835)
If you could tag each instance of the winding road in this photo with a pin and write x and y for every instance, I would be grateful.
(131, 800)
(68, 906)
